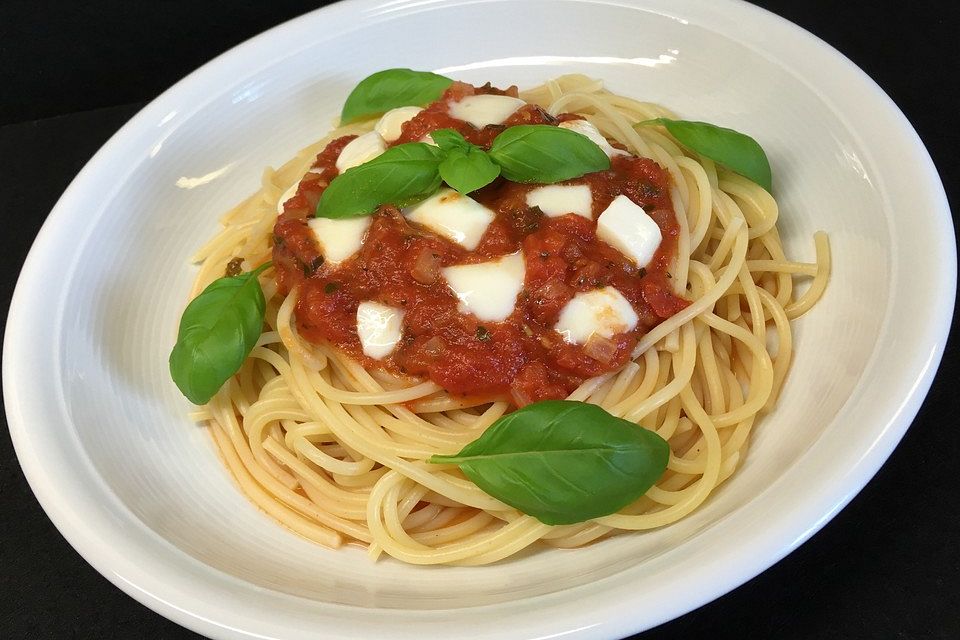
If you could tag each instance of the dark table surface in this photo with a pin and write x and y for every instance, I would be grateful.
(71, 74)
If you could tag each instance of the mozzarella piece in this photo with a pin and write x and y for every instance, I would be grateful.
(588, 129)
(602, 311)
(289, 193)
(390, 124)
(456, 217)
(339, 239)
(488, 290)
(485, 109)
(379, 328)
(361, 149)
(560, 199)
(625, 226)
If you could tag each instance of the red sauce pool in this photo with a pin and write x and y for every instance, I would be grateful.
(523, 358)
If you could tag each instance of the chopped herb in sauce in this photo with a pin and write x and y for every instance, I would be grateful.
(330, 287)
(649, 190)
(311, 268)
(483, 335)
(234, 267)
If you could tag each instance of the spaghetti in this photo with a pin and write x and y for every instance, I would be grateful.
(337, 452)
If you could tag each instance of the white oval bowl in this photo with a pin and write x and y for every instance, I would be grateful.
(138, 490)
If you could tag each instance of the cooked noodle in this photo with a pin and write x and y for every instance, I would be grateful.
(338, 454)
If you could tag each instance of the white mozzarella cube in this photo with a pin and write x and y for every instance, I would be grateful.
(363, 148)
(390, 124)
(585, 128)
(456, 217)
(339, 239)
(485, 109)
(602, 311)
(560, 199)
(626, 227)
(488, 290)
(379, 328)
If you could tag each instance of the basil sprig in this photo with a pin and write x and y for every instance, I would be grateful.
(465, 167)
(218, 330)
(391, 88)
(411, 172)
(737, 151)
(563, 462)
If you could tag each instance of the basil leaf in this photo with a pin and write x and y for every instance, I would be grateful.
(401, 176)
(468, 171)
(466, 166)
(545, 154)
(451, 140)
(218, 330)
(392, 88)
(563, 462)
(736, 151)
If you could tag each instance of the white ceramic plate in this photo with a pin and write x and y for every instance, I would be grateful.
(138, 490)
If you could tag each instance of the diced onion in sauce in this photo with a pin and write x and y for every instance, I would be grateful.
(600, 349)
(434, 347)
(553, 289)
(426, 268)
(520, 397)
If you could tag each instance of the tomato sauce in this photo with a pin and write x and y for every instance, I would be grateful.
(523, 358)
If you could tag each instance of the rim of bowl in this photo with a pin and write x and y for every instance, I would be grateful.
(196, 601)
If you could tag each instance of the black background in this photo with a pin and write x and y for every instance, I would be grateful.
(72, 73)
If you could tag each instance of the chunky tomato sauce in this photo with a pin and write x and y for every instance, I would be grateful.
(523, 358)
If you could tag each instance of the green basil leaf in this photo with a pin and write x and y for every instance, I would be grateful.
(736, 151)
(451, 140)
(563, 462)
(392, 88)
(469, 170)
(218, 330)
(401, 176)
(545, 154)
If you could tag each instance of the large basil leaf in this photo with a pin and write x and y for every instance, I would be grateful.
(736, 151)
(218, 330)
(392, 88)
(563, 462)
(401, 176)
(545, 154)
